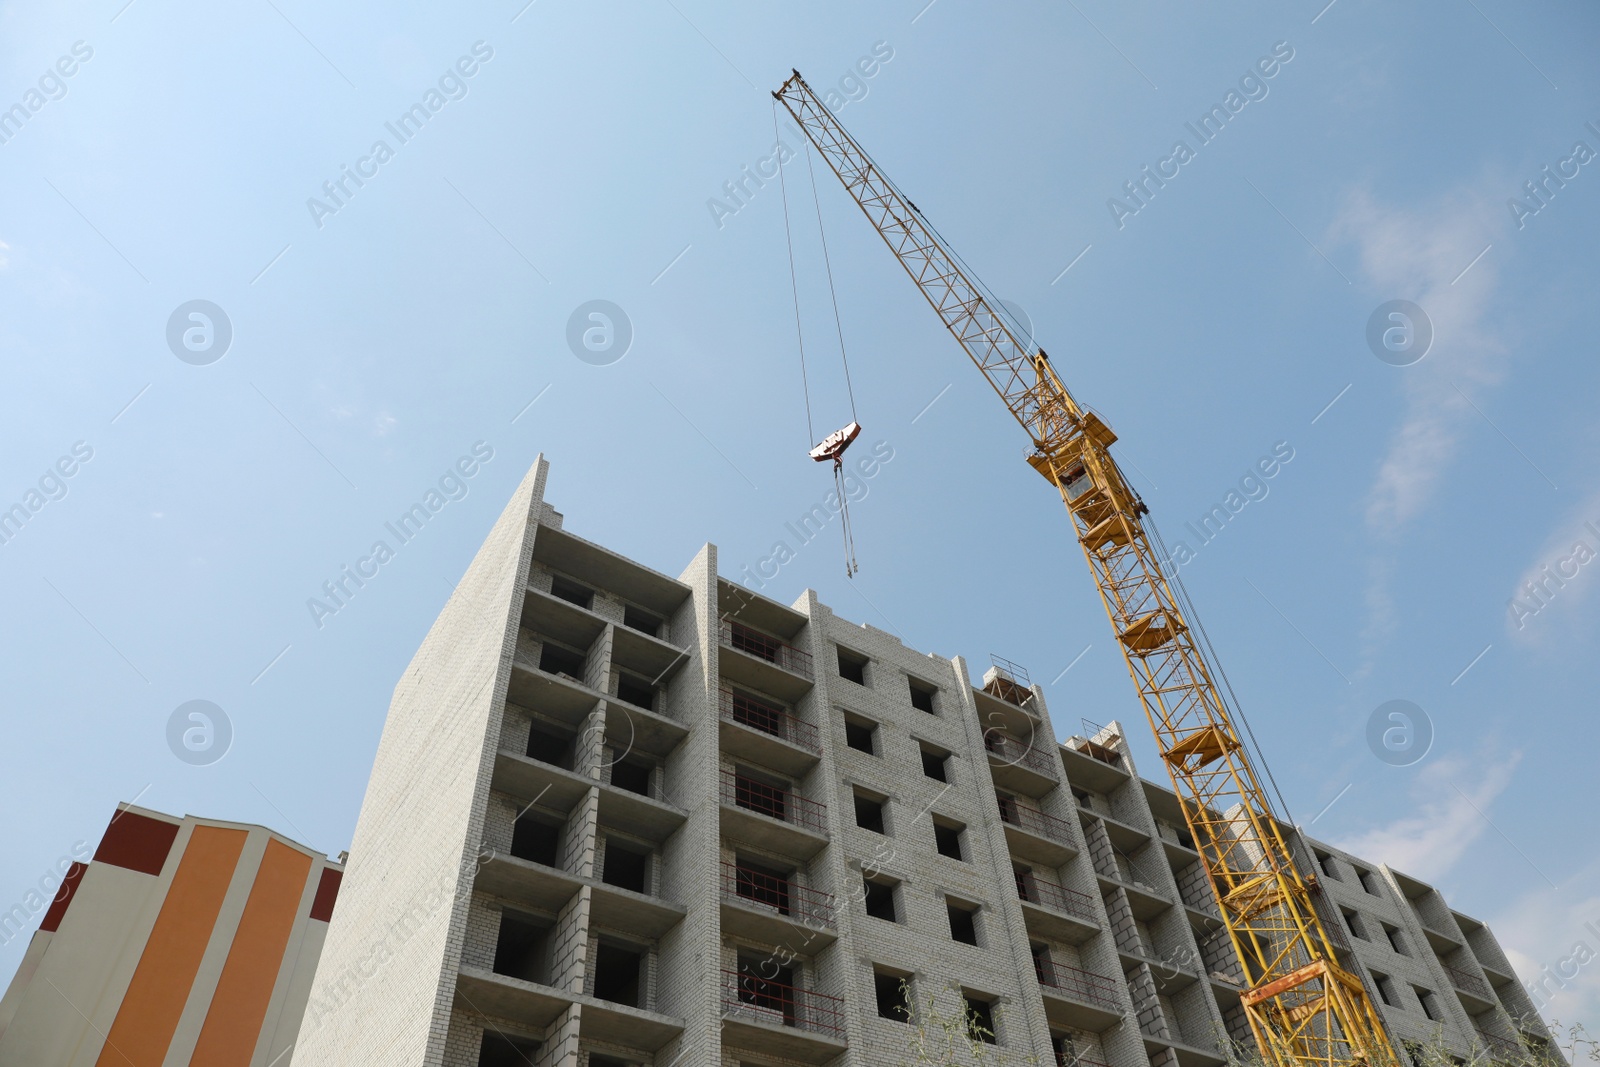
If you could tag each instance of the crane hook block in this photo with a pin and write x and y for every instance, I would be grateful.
(833, 445)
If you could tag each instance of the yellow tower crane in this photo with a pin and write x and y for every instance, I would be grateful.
(1303, 1007)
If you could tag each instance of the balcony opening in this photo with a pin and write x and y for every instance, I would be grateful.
(767, 988)
(1041, 965)
(626, 867)
(894, 996)
(869, 812)
(616, 974)
(765, 798)
(947, 838)
(852, 666)
(503, 1050)
(1026, 886)
(763, 885)
(553, 659)
(963, 921)
(549, 746)
(572, 592)
(879, 899)
(636, 691)
(632, 775)
(520, 948)
(934, 764)
(860, 735)
(980, 1018)
(639, 619)
(922, 695)
(754, 642)
(536, 839)
(1008, 807)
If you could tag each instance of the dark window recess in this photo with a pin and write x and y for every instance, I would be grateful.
(1008, 807)
(980, 1020)
(858, 735)
(639, 694)
(597, 1060)
(547, 746)
(1369, 882)
(626, 868)
(570, 591)
(852, 667)
(755, 795)
(762, 987)
(1353, 921)
(879, 900)
(1326, 862)
(963, 922)
(519, 951)
(933, 765)
(921, 696)
(616, 974)
(1397, 940)
(639, 619)
(1025, 883)
(947, 839)
(503, 1050)
(1430, 1003)
(537, 841)
(894, 1002)
(763, 885)
(869, 813)
(631, 775)
(1385, 989)
(553, 659)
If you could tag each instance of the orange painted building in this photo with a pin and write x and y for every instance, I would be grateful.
(183, 941)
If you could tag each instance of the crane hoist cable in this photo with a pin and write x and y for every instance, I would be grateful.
(833, 446)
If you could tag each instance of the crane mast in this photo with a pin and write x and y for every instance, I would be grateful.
(1302, 1005)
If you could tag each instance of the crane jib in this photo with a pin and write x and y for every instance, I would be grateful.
(1303, 1007)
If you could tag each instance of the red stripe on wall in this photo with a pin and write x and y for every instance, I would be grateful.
(58, 906)
(327, 892)
(136, 842)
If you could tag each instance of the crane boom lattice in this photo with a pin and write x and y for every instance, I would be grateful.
(1302, 1005)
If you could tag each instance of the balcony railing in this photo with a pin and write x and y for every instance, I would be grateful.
(1036, 890)
(769, 719)
(1467, 983)
(781, 895)
(759, 645)
(1064, 1060)
(1086, 986)
(748, 995)
(770, 800)
(1008, 750)
(1034, 821)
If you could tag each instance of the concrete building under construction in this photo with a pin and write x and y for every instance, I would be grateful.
(622, 818)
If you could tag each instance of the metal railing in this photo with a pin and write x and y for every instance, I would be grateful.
(1034, 821)
(771, 719)
(745, 994)
(755, 643)
(1086, 986)
(1004, 749)
(770, 800)
(782, 895)
(1467, 983)
(1036, 890)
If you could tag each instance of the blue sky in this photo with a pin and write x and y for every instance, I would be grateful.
(376, 344)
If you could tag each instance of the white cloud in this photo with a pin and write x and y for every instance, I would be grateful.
(1542, 932)
(1419, 255)
(1562, 578)
(1452, 798)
